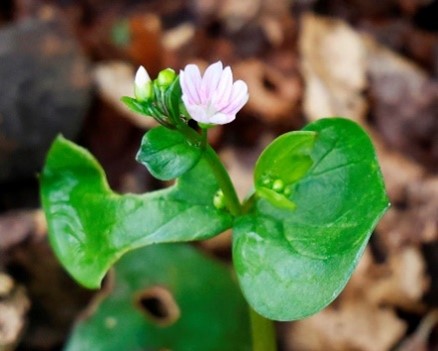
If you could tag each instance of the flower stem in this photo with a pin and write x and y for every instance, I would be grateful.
(224, 181)
(262, 329)
(204, 137)
(219, 171)
(263, 332)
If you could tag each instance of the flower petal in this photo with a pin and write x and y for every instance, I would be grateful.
(221, 96)
(191, 82)
(210, 81)
(141, 77)
(239, 97)
(221, 118)
(197, 112)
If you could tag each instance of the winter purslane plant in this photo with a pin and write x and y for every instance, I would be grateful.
(318, 194)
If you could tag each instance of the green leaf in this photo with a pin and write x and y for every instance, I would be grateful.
(173, 99)
(90, 226)
(167, 154)
(294, 260)
(281, 165)
(136, 106)
(213, 314)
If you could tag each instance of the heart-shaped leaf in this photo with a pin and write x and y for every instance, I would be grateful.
(294, 260)
(159, 303)
(90, 226)
(167, 153)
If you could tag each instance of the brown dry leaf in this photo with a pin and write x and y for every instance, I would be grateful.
(18, 226)
(274, 96)
(116, 79)
(176, 38)
(363, 317)
(354, 325)
(14, 305)
(398, 171)
(419, 340)
(405, 103)
(415, 220)
(412, 218)
(236, 14)
(334, 69)
(399, 282)
(145, 45)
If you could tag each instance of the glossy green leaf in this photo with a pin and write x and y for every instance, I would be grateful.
(213, 313)
(90, 226)
(136, 106)
(281, 165)
(173, 99)
(293, 261)
(167, 154)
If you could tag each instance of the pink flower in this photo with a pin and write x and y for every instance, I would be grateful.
(212, 98)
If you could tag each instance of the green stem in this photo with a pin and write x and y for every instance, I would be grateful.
(263, 332)
(204, 137)
(224, 180)
(219, 171)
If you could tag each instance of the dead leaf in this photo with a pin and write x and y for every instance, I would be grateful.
(334, 69)
(354, 325)
(14, 305)
(363, 318)
(274, 95)
(404, 104)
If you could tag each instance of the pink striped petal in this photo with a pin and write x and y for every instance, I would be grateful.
(191, 82)
(210, 81)
(239, 97)
(222, 94)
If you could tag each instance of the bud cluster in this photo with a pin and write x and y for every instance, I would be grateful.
(159, 98)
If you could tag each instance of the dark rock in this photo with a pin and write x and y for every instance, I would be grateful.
(45, 89)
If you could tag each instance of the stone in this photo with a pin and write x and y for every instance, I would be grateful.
(45, 90)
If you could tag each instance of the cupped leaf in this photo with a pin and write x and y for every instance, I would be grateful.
(293, 261)
(281, 165)
(90, 226)
(211, 313)
(167, 153)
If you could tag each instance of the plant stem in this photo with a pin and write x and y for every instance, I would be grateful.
(219, 171)
(263, 332)
(224, 180)
(204, 137)
(262, 329)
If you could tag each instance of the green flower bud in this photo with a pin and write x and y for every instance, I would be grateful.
(278, 185)
(165, 78)
(219, 200)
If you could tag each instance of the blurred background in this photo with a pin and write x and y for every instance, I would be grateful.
(65, 64)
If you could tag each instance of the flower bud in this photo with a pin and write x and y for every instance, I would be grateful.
(219, 200)
(166, 77)
(143, 89)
